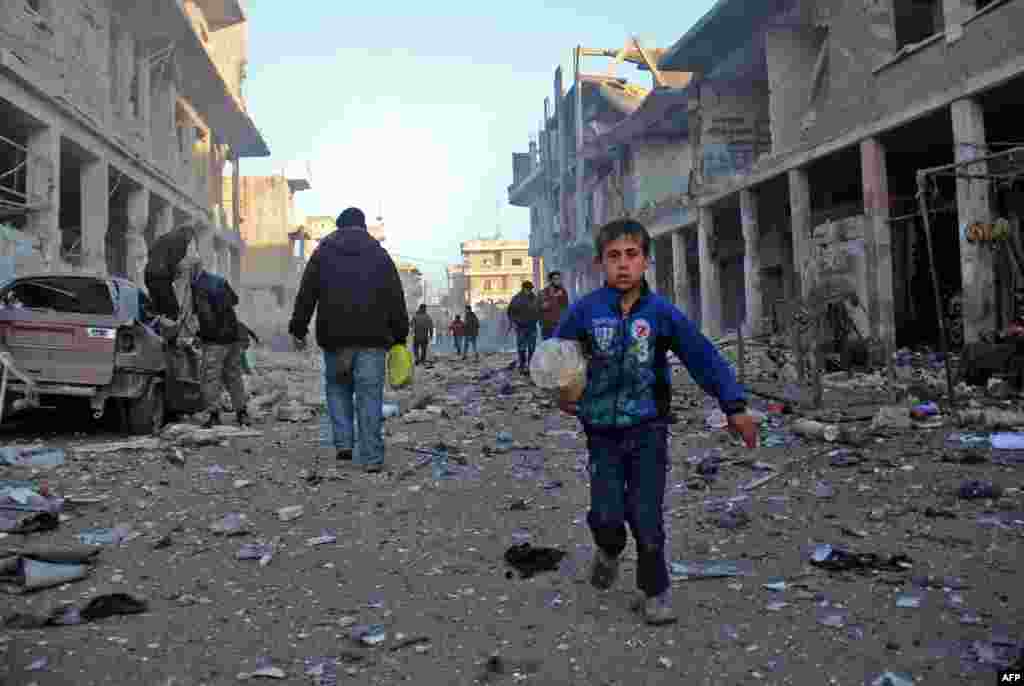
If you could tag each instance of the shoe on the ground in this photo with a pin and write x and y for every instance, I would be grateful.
(658, 610)
(212, 421)
(604, 570)
(243, 418)
(374, 468)
(345, 455)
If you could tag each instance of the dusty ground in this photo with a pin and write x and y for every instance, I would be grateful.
(424, 558)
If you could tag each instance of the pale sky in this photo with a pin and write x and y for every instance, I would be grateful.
(419, 106)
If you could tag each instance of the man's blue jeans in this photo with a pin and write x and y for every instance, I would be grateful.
(367, 391)
(627, 485)
(526, 343)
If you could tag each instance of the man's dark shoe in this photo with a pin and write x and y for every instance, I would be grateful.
(212, 421)
(345, 455)
(375, 468)
(604, 570)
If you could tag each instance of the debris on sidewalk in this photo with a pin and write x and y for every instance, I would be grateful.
(31, 456)
(711, 569)
(529, 561)
(837, 559)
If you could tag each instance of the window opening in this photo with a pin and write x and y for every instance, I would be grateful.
(916, 20)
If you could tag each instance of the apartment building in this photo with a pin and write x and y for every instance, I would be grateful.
(116, 122)
(806, 124)
(321, 225)
(494, 270)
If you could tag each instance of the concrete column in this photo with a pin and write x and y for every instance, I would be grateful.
(710, 276)
(977, 263)
(752, 262)
(143, 92)
(680, 271)
(44, 190)
(136, 213)
(164, 220)
(878, 242)
(800, 209)
(95, 216)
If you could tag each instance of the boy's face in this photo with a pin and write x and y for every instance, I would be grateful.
(624, 263)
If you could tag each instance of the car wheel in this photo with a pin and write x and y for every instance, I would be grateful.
(146, 413)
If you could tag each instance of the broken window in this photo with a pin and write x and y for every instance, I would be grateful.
(916, 20)
(60, 294)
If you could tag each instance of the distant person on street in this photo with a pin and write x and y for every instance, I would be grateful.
(458, 331)
(472, 332)
(524, 313)
(627, 332)
(221, 336)
(422, 331)
(162, 268)
(554, 301)
(354, 286)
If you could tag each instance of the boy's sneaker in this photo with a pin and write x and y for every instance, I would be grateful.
(658, 610)
(604, 570)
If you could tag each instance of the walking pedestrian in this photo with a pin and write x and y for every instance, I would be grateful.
(458, 330)
(554, 301)
(625, 405)
(472, 332)
(354, 286)
(422, 331)
(524, 313)
(162, 267)
(220, 335)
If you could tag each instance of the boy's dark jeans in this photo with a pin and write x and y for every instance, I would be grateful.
(627, 485)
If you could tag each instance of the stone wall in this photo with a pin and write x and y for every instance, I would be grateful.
(839, 262)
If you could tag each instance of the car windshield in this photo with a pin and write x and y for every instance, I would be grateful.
(61, 294)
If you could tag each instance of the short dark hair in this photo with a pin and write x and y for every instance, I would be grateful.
(528, 285)
(554, 274)
(622, 228)
(353, 216)
(423, 308)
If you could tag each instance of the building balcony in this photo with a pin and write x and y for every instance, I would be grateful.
(524, 268)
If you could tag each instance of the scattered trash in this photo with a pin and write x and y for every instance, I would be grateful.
(115, 536)
(21, 456)
(191, 435)
(323, 539)
(528, 560)
(812, 429)
(892, 418)
(38, 664)
(892, 679)
(836, 559)
(833, 618)
(844, 457)
(734, 517)
(112, 604)
(233, 524)
(776, 605)
(324, 670)
(924, 410)
(972, 490)
(776, 586)
(908, 600)
(712, 569)
(824, 490)
(717, 420)
(991, 419)
(1008, 441)
(257, 551)
(368, 634)
(264, 668)
(287, 514)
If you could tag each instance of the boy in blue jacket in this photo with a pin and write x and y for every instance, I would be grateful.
(626, 331)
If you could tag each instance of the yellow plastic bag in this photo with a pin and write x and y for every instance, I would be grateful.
(400, 366)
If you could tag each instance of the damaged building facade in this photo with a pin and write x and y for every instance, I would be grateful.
(778, 164)
(117, 121)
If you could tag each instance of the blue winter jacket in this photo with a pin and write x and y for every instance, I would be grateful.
(628, 377)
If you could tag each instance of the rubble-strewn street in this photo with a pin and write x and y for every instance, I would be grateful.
(233, 565)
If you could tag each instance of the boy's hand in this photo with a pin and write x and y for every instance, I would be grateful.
(566, 403)
(745, 426)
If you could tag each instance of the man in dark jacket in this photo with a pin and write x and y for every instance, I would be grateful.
(354, 286)
(165, 256)
(471, 330)
(524, 313)
(219, 332)
(422, 332)
(554, 301)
